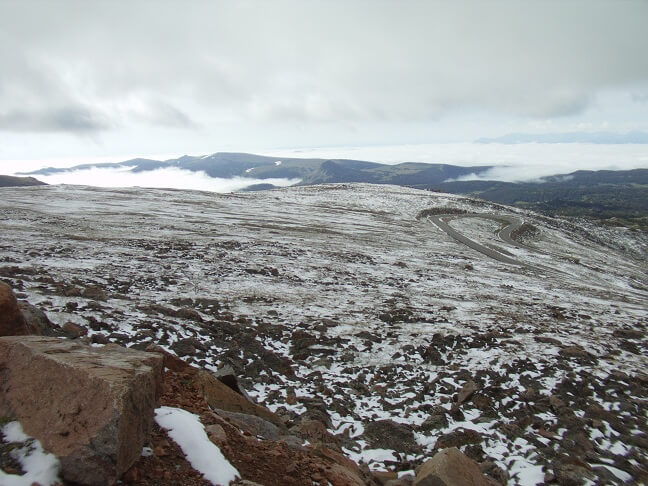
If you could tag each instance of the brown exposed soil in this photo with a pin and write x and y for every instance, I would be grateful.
(262, 461)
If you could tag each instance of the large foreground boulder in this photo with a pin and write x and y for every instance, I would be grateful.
(91, 407)
(450, 467)
(12, 321)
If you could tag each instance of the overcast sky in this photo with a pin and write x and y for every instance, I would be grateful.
(106, 80)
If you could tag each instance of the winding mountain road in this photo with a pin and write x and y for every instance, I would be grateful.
(505, 234)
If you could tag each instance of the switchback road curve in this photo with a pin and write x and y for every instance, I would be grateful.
(512, 223)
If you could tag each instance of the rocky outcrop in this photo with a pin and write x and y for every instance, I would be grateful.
(467, 391)
(315, 432)
(12, 321)
(450, 467)
(253, 425)
(438, 419)
(91, 407)
(38, 320)
(252, 445)
(458, 437)
(73, 330)
(219, 395)
(340, 470)
(171, 361)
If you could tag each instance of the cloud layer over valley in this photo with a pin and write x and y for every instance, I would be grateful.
(99, 79)
(172, 178)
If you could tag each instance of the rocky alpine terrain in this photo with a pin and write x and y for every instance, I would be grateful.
(386, 323)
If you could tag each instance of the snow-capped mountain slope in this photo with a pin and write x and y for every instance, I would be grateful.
(347, 304)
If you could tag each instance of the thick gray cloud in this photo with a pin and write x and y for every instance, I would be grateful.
(66, 119)
(82, 66)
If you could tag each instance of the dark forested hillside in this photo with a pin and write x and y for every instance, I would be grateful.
(11, 181)
(618, 197)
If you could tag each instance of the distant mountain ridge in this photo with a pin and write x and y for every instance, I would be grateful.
(310, 171)
(12, 181)
(618, 196)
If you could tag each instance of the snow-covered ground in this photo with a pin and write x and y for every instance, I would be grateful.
(338, 303)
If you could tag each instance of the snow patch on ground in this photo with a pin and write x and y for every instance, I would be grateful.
(187, 431)
(40, 467)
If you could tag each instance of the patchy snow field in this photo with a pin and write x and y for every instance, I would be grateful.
(337, 303)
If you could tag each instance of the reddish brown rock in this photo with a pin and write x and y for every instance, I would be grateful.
(291, 397)
(458, 438)
(91, 407)
(12, 321)
(218, 395)
(216, 434)
(450, 467)
(258, 461)
(571, 474)
(576, 352)
(171, 361)
(94, 292)
(189, 314)
(467, 391)
(547, 434)
(315, 432)
(74, 331)
(340, 470)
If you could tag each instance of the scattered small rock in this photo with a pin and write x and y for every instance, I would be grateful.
(569, 474)
(387, 434)
(458, 438)
(73, 330)
(467, 391)
(186, 346)
(436, 420)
